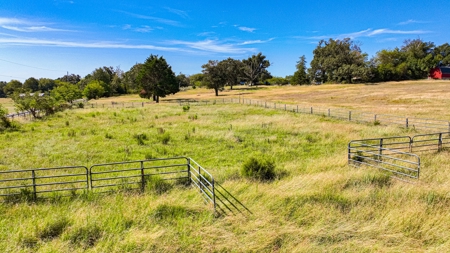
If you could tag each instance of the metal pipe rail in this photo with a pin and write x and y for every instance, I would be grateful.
(33, 183)
(402, 164)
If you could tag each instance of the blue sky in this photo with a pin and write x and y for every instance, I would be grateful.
(48, 38)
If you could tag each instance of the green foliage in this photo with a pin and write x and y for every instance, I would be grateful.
(338, 61)
(31, 84)
(4, 121)
(94, 90)
(262, 170)
(46, 84)
(156, 78)
(300, 76)
(140, 138)
(66, 92)
(12, 86)
(186, 108)
(2, 86)
(278, 80)
(255, 69)
(165, 138)
(214, 76)
(35, 103)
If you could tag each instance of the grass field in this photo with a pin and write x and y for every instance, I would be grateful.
(316, 204)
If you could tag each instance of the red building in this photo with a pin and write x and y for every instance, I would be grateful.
(440, 73)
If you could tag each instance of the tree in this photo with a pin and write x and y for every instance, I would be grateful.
(214, 75)
(4, 122)
(35, 103)
(31, 84)
(232, 70)
(129, 80)
(196, 80)
(72, 78)
(338, 61)
(390, 65)
(12, 86)
(46, 84)
(255, 68)
(105, 75)
(278, 80)
(2, 86)
(442, 54)
(182, 80)
(66, 92)
(300, 76)
(156, 78)
(419, 58)
(94, 90)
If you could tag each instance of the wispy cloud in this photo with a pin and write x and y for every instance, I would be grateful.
(34, 29)
(104, 45)
(246, 29)
(144, 29)
(206, 34)
(365, 33)
(249, 42)
(22, 25)
(180, 13)
(156, 19)
(214, 46)
(412, 21)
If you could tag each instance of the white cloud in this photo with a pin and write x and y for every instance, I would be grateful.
(412, 21)
(249, 42)
(206, 34)
(105, 45)
(11, 21)
(33, 29)
(214, 46)
(180, 13)
(144, 29)
(365, 33)
(156, 19)
(246, 29)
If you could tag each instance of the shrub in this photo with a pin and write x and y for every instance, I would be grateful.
(186, 108)
(140, 138)
(259, 170)
(165, 138)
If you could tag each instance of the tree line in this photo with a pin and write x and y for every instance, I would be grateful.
(334, 61)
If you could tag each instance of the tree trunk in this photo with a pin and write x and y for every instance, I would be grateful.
(157, 99)
(217, 92)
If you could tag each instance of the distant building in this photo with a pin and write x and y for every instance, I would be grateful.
(441, 72)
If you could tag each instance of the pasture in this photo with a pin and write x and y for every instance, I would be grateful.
(316, 203)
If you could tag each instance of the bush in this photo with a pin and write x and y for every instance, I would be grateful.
(259, 170)
(186, 108)
(140, 138)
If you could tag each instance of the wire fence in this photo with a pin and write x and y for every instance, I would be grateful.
(419, 124)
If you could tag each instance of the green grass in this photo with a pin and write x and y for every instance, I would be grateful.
(317, 204)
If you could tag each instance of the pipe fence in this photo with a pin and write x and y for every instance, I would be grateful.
(395, 154)
(35, 184)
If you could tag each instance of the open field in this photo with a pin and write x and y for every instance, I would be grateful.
(316, 204)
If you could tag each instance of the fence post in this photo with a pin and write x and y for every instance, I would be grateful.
(297, 108)
(440, 142)
(142, 177)
(200, 179)
(189, 169)
(329, 112)
(349, 115)
(311, 110)
(213, 194)
(33, 177)
(381, 149)
(407, 123)
(374, 119)
(142, 104)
